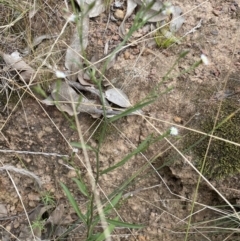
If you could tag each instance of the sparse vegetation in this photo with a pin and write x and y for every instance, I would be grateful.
(102, 177)
(223, 157)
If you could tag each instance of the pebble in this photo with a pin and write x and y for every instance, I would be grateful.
(126, 55)
(141, 238)
(71, 174)
(32, 204)
(16, 224)
(214, 32)
(216, 12)
(177, 119)
(48, 129)
(33, 197)
(119, 14)
(233, 8)
(115, 37)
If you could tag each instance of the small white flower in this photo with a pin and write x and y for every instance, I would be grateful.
(75, 150)
(60, 74)
(173, 131)
(204, 59)
(168, 10)
(72, 18)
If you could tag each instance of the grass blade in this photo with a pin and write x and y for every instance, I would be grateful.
(113, 203)
(109, 207)
(73, 202)
(145, 144)
(81, 146)
(103, 236)
(131, 110)
(123, 224)
(82, 187)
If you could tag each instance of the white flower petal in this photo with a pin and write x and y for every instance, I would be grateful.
(60, 74)
(72, 18)
(204, 59)
(173, 131)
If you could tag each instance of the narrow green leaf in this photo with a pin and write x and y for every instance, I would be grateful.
(131, 110)
(113, 204)
(40, 91)
(103, 236)
(139, 149)
(73, 202)
(123, 224)
(80, 145)
(109, 207)
(81, 186)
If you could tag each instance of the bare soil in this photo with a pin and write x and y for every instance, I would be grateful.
(161, 198)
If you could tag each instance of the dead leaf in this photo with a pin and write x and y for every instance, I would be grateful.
(93, 7)
(36, 41)
(38, 212)
(131, 5)
(15, 62)
(82, 79)
(112, 60)
(118, 97)
(59, 231)
(177, 19)
(154, 14)
(73, 58)
(56, 216)
(67, 99)
(3, 211)
(97, 9)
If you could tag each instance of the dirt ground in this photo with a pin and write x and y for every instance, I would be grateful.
(161, 198)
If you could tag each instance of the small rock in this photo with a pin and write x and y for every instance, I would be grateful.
(115, 37)
(32, 204)
(48, 129)
(16, 224)
(119, 14)
(126, 55)
(233, 8)
(216, 13)
(141, 238)
(3, 211)
(8, 227)
(131, 56)
(12, 208)
(100, 42)
(33, 197)
(177, 119)
(135, 51)
(71, 174)
(214, 32)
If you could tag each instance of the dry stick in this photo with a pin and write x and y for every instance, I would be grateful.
(33, 153)
(92, 179)
(23, 172)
